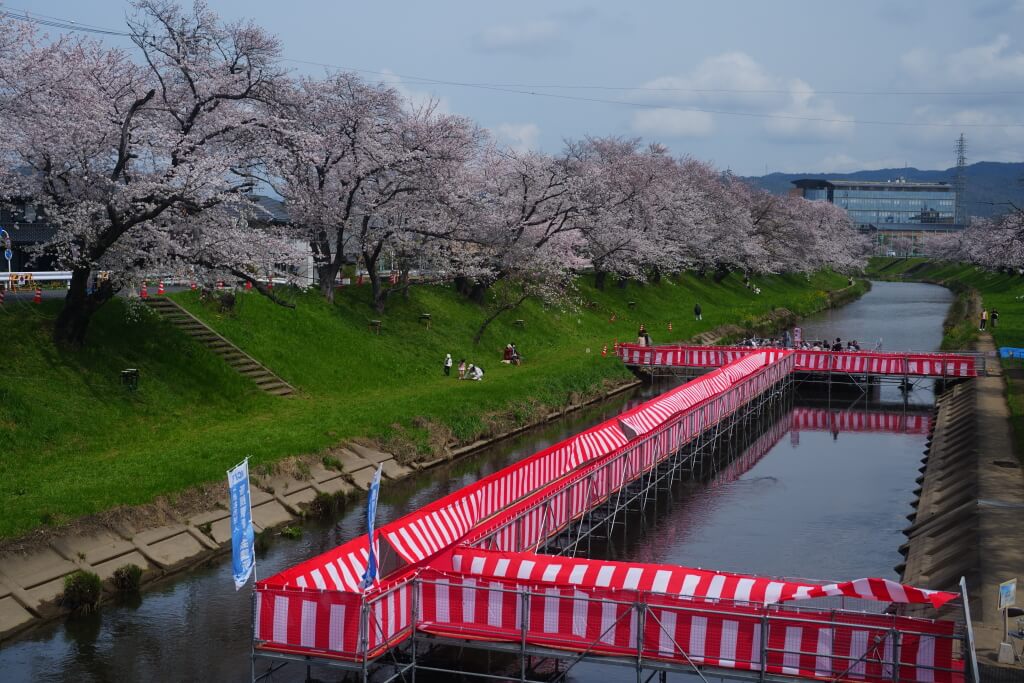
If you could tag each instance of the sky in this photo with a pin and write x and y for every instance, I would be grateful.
(752, 86)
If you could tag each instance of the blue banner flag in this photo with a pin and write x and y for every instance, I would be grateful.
(243, 552)
(371, 517)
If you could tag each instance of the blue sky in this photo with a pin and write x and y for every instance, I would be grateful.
(780, 63)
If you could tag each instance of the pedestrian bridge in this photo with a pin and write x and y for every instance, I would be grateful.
(895, 364)
(500, 566)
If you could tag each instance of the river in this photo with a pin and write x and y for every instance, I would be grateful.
(816, 503)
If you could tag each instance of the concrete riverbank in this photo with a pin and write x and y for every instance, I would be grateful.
(32, 581)
(967, 521)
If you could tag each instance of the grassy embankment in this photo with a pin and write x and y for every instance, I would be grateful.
(1001, 291)
(74, 442)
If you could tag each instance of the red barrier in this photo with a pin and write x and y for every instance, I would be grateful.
(952, 365)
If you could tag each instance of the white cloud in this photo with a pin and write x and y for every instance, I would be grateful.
(529, 36)
(991, 62)
(416, 98)
(988, 131)
(673, 122)
(735, 81)
(521, 137)
(807, 116)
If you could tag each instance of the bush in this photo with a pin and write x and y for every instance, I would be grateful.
(292, 532)
(325, 504)
(82, 592)
(128, 578)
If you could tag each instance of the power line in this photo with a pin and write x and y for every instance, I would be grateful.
(534, 90)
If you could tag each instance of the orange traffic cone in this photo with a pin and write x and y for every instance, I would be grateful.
(616, 346)
(144, 293)
(670, 327)
(38, 298)
(160, 289)
(270, 283)
(193, 286)
(248, 285)
(220, 284)
(604, 351)
(1, 296)
(393, 279)
(359, 280)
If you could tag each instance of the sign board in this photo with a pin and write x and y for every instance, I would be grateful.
(242, 547)
(798, 335)
(346, 281)
(1007, 594)
(8, 254)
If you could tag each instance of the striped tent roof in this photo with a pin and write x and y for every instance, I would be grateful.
(685, 582)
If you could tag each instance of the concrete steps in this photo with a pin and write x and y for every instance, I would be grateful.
(238, 360)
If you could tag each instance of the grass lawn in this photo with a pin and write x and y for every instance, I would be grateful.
(1001, 291)
(74, 442)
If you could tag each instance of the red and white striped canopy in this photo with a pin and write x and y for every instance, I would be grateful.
(675, 580)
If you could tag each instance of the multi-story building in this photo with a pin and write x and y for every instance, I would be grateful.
(898, 213)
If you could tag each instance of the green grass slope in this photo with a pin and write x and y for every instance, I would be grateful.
(74, 442)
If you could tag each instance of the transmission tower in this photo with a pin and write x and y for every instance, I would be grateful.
(961, 180)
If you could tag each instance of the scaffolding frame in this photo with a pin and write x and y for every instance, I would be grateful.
(425, 648)
(412, 648)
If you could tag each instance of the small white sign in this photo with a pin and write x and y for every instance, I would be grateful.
(1007, 594)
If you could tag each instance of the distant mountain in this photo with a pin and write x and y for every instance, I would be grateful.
(988, 182)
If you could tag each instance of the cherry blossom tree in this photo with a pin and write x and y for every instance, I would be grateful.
(348, 156)
(117, 150)
(526, 208)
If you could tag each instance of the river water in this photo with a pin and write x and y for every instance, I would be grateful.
(817, 503)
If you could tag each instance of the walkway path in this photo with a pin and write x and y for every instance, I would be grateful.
(1000, 510)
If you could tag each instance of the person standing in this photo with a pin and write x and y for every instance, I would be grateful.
(447, 364)
(462, 369)
(984, 320)
(697, 312)
(995, 318)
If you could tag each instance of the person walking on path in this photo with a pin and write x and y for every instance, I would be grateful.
(984, 319)
(447, 364)
(995, 318)
(697, 312)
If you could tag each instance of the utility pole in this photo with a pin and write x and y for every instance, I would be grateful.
(961, 180)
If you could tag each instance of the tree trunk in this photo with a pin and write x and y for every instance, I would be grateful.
(623, 282)
(599, 278)
(370, 263)
(404, 280)
(79, 307)
(462, 285)
(656, 275)
(478, 293)
(327, 274)
(494, 316)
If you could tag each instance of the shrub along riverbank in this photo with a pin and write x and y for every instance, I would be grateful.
(75, 442)
(975, 287)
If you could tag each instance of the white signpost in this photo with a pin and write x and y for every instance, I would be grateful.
(1007, 599)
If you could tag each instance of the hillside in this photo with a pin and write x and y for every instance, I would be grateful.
(989, 183)
(77, 443)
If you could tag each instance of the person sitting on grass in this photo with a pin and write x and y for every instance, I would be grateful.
(475, 373)
(516, 358)
(506, 356)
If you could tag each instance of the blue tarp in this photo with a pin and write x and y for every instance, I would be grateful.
(1010, 352)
